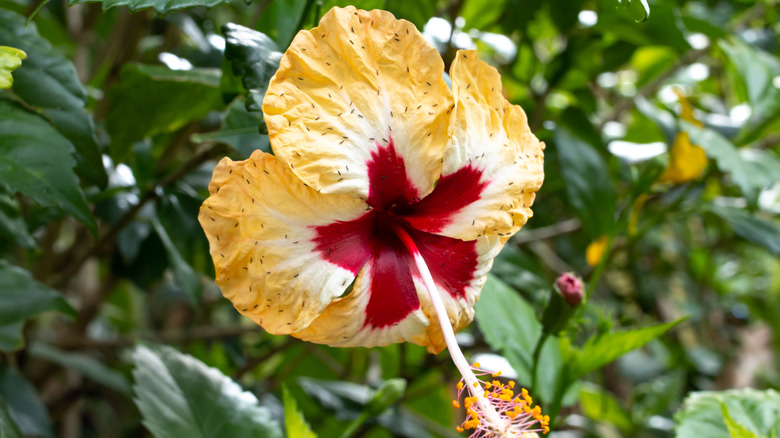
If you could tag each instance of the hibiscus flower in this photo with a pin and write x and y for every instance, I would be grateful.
(388, 194)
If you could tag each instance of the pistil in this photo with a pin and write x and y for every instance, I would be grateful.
(474, 384)
(515, 416)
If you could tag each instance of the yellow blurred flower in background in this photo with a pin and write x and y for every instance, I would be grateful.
(595, 250)
(686, 161)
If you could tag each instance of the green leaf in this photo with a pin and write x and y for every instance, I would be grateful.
(294, 422)
(348, 401)
(588, 185)
(24, 406)
(12, 225)
(481, 15)
(510, 326)
(663, 29)
(36, 160)
(48, 82)
(254, 58)
(11, 338)
(639, 8)
(757, 70)
(747, 411)
(187, 277)
(735, 429)
(239, 130)
(179, 396)
(161, 6)
(416, 11)
(22, 297)
(151, 100)
(598, 405)
(360, 4)
(10, 60)
(8, 429)
(280, 21)
(747, 175)
(386, 395)
(603, 349)
(85, 365)
(753, 228)
(663, 119)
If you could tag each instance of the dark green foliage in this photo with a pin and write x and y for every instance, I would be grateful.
(22, 298)
(111, 323)
(153, 100)
(48, 84)
(36, 160)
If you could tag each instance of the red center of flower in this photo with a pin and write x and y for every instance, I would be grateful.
(370, 241)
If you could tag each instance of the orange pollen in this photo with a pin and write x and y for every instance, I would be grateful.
(501, 410)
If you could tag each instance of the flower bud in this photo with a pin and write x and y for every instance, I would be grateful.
(570, 287)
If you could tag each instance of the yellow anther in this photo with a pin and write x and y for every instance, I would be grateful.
(460, 385)
(511, 383)
(476, 384)
(488, 385)
(455, 404)
(459, 429)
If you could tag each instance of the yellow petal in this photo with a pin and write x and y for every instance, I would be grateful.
(343, 323)
(687, 161)
(595, 251)
(344, 88)
(686, 111)
(259, 222)
(492, 136)
(636, 209)
(10, 60)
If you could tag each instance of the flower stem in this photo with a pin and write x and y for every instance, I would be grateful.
(535, 360)
(474, 384)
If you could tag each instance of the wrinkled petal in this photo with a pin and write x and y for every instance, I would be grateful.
(389, 303)
(260, 221)
(493, 164)
(348, 88)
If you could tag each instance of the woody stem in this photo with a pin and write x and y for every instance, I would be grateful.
(474, 384)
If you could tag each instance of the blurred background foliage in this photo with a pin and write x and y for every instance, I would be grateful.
(662, 190)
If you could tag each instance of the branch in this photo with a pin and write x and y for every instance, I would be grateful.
(547, 232)
(211, 151)
(651, 87)
(171, 337)
(256, 361)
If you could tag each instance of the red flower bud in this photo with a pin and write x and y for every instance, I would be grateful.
(570, 287)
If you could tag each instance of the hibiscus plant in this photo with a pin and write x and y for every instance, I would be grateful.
(386, 218)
